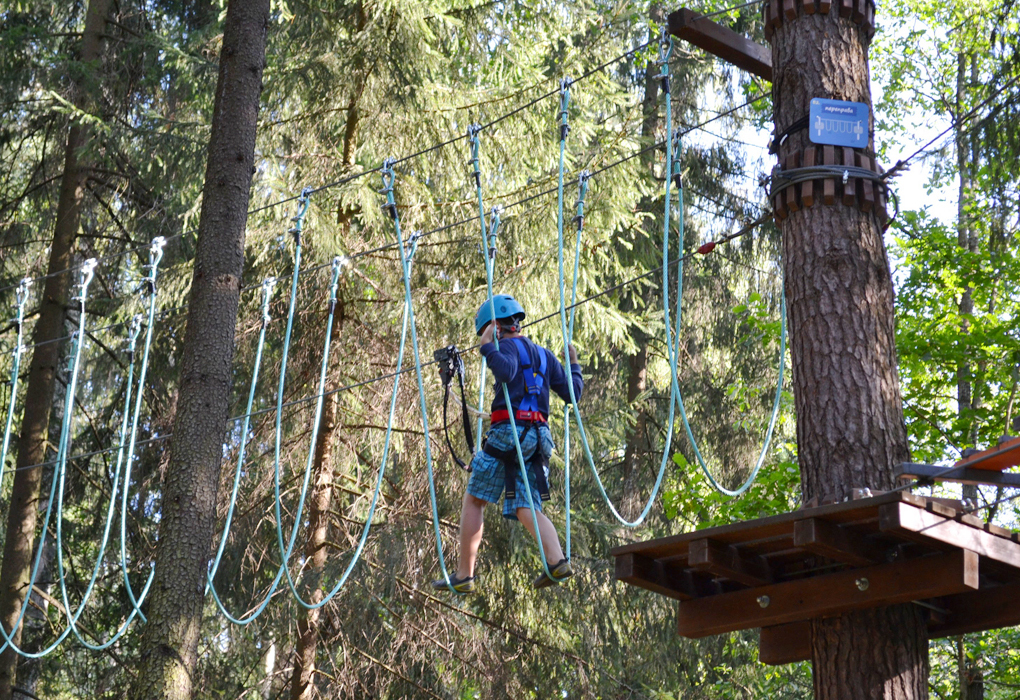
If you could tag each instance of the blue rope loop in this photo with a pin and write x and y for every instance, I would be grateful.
(672, 341)
(406, 259)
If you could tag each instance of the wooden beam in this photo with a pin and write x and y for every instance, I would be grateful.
(921, 526)
(1002, 456)
(961, 475)
(989, 608)
(834, 542)
(727, 562)
(976, 611)
(785, 644)
(653, 575)
(830, 594)
(722, 42)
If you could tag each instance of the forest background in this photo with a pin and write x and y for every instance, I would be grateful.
(347, 84)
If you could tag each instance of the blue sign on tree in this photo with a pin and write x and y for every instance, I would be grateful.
(838, 123)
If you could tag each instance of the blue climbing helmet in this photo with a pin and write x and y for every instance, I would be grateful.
(506, 307)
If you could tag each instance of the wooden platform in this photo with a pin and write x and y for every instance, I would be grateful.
(778, 573)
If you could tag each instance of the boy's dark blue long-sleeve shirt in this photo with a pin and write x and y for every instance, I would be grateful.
(505, 366)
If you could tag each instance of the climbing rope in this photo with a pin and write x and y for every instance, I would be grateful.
(74, 365)
(389, 178)
(676, 175)
(665, 51)
(489, 253)
(17, 352)
(127, 458)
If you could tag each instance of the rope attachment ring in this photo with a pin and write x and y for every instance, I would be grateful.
(565, 84)
(88, 271)
(299, 219)
(268, 285)
(676, 143)
(472, 134)
(22, 300)
(494, 224)
(665, 53)
(388, 178)
(155, 257)
(582, 192)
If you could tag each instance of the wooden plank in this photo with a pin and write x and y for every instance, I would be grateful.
(829, 184)
(824, 6)
(850, 186)
(830, 594)
(807, 189)
(809, 7)
(789, 10)
(722, 42)
(785, 644)
(997, 530)
(774, 527)
(975, 611)
(845, 8)
(989, 608)
(867, 186)
(834, 542)
(791, 192)
(1002, 456)
(921, 526)
(859, 13)
(963, 476)
(654, 576)
(869, 19)
(728, 562)
(766, 20)
(776, 19)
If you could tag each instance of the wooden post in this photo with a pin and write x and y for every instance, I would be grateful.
(850, 429)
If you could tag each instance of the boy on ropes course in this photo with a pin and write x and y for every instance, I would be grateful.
(529, 371)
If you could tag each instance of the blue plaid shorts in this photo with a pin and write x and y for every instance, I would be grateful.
(488, 473)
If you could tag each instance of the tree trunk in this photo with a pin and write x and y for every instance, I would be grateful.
(188, 508)
(302, 685)
(967, 240)
(42, 374)
(850, 430)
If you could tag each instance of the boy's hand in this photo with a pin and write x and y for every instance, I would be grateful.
(573, 354)
(487, 333)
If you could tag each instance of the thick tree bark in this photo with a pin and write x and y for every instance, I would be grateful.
(850, 430)
(22, 517)
(169, 652)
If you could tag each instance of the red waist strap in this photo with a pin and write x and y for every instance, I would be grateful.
(525, 416)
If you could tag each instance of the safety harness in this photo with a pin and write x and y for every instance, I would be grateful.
(528, 415)
(450, 365)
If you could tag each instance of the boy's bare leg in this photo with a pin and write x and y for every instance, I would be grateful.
(472, 517)
(550, 539)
